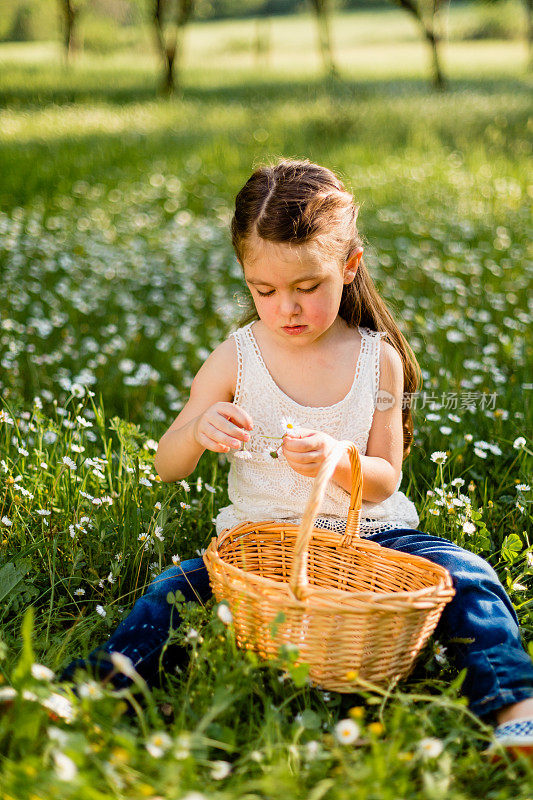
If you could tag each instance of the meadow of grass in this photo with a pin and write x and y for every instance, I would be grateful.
(117, 281)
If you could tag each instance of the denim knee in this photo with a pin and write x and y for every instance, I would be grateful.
(160, 584)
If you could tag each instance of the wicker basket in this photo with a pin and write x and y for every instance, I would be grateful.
(353, 608)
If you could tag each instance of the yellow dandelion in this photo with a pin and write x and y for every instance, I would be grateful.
(376, 728)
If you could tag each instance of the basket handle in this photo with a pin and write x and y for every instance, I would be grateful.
(298, 578)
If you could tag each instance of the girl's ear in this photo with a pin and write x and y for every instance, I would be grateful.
(352, 265)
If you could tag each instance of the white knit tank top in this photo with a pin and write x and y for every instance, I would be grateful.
(261, 487)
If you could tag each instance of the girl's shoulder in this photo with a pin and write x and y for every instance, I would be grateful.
(220, 369)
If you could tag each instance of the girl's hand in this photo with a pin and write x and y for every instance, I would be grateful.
(305, 450)
(222, 427)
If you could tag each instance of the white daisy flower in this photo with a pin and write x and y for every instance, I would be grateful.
(43, 512)
(220, 770)
(60, 705)
(244, 455)
(69, 462)
(288, 425)
(57, 735)
(224, 614)
(101, 610)
(469, 527)
(158, 744)
(65, 768)
(519, 443)
(185, 485)
(123, 664)
(439, 457)
(346, 731)
(430, 747)
(79, 592)
(522, 487)
(6, 521)
(480, 453)
(90, 690)
(42, 673)
(440, 654)
(176, 559)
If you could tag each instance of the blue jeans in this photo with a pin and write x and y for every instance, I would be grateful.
(479, 627)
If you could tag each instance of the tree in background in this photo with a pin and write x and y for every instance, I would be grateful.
(426, 12)
(69, 11)
(322, 9)
(170, 18)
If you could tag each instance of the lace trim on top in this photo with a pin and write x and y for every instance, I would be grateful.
(362, 357)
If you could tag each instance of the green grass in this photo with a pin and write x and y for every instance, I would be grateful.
(117, 275)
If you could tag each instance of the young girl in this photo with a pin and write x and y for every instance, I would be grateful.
(311, 365)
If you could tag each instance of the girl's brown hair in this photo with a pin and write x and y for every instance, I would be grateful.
(298, 202)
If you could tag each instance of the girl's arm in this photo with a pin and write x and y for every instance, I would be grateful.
(382, 464)
(208, 421)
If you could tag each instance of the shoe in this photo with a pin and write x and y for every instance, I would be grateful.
(514, 737)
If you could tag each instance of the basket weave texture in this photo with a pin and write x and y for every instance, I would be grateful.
(353, 609)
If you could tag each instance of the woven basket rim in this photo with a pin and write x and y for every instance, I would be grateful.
(331, 537)
(320, 592)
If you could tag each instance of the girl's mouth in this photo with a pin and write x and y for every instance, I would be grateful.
(294, 329)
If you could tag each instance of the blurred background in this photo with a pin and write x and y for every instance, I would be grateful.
(127, 126)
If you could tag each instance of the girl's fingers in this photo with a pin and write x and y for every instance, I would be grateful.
(232, 412)
(298, 445)
(212, 444)
(313, 456)
(218, 436)
(224, 425)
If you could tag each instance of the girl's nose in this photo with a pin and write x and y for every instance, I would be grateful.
(289, 304)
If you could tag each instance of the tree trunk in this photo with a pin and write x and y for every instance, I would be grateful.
(171, 50)
(529, 34)
(322, 12)
(69, 15)
(412, 6)
(439, 81)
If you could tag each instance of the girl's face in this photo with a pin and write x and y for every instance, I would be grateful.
(293, 288)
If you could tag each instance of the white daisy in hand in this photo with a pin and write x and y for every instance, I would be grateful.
(289, 425)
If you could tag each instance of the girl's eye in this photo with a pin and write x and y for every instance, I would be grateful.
(306, 291)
